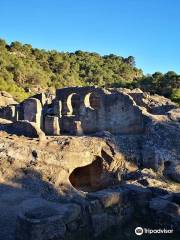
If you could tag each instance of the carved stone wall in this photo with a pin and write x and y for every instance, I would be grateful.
(80, 110)
(32, 111)
(99, 110)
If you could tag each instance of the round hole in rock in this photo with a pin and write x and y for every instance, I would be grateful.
(87, 178)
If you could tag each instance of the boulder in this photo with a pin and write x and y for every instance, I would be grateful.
(23, 128)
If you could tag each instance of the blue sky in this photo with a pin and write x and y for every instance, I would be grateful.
(149, 30)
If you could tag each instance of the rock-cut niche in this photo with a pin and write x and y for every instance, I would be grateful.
(87, 178)
(73, 103)
(92, 101)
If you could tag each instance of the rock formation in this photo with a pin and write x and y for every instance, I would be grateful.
(6, 99)
(109, 159)
(88, 109)
(77, 110)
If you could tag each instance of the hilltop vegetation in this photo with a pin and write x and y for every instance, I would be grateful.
(23, 67)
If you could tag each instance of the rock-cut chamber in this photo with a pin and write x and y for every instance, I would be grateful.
(87, 178)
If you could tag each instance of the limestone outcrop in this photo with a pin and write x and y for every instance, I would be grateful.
(154, 104)
(82, 163)
(86, 161)
(68, 186)
(79, 110)
(161, 144)
(126, 117)
(87, 110)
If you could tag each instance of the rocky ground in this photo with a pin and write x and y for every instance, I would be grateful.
(134, 179)
(33, 172)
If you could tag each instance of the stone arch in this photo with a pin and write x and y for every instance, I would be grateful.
(73, 104)
(92, 100)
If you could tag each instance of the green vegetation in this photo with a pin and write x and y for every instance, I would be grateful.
(23, 67)
(167, 84)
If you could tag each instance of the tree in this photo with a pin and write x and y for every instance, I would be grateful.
(16, 46)
(130, 60)
(23, 66)
(2, 44)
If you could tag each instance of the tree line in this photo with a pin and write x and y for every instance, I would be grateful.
(23, 67)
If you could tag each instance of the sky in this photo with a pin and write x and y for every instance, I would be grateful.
(149, 30)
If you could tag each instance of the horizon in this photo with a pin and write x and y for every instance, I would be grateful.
(144, 30)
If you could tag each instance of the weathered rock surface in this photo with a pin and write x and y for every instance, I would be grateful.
(78, 187)
(6, 99)
(154, 104)
(40, 178)
(161, 145)
(57, 158)
(22, 128)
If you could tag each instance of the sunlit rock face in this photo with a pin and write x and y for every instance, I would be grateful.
(80, 110)
(88, 110)
(86, 161)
